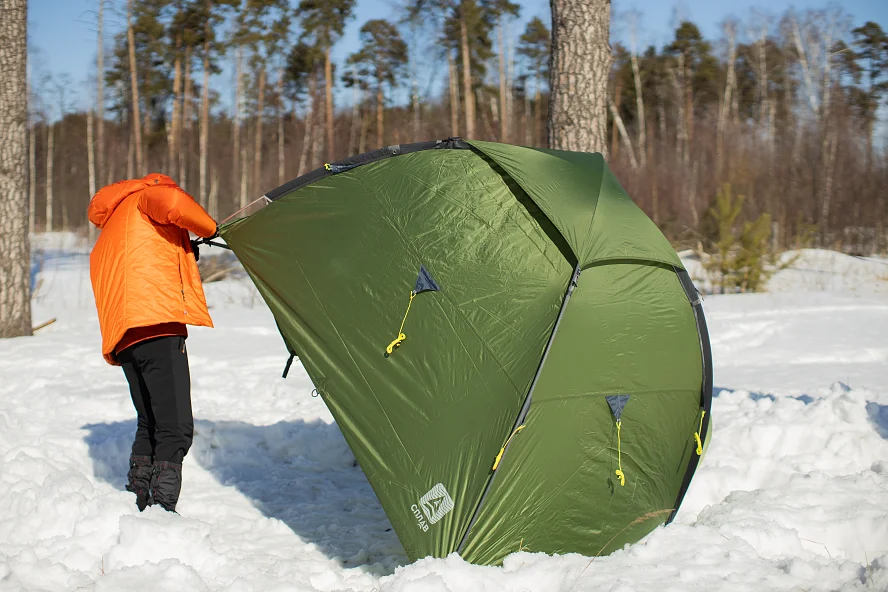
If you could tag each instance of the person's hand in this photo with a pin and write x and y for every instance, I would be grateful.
(216, 233)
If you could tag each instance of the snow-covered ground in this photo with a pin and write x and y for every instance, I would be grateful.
(792, 494)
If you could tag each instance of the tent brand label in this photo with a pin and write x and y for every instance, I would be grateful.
(436, 503)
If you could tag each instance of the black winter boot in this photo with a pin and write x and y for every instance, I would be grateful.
(166, 482)
(139, 480)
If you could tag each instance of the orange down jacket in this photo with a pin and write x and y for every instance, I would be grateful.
(142, 267)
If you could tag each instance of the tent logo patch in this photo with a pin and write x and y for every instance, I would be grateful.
(436, 503)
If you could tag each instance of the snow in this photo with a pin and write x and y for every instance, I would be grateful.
(792, 493)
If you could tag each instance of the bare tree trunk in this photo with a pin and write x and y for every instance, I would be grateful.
(32, 178)
(731, 33)
(362, 141)
(243, 177)
(50, 157)
(15, 253)
(581, 61)
(538, 123)
(91, 163)
(328, 77)
(111, 168)
(528, 120)
(134, 85)
(467, 73)
(205, 120)
(617, 94)
(353, 124)
(172, 140)
(213, 199)
(510, 78)
(380, 104)
(236, 141)
(100, 93)
(618, 125)
(185, 125)
(257, 146)
(281, 142)
(503, 104)
(131, 154)
(479, 100)
(761, 48)
(681, 138)
(639, 99)
(417, 114)
(454, 95)
(306, 133)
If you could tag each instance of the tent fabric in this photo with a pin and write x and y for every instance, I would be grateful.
(578, 192)
(501, 236)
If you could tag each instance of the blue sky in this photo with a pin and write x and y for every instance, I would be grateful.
(63, 32)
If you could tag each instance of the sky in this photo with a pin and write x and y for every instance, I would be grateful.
(62, 33)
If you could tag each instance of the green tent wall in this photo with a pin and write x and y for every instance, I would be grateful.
(548, 308)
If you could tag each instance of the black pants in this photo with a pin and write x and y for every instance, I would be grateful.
(160, 384)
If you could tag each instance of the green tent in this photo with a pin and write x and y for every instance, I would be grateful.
(511, 348)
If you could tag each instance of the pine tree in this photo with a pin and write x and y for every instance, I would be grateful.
(323, 22)
(382, 58)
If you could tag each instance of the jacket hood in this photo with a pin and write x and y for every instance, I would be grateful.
(108, 198)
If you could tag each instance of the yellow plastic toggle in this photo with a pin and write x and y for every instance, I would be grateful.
(396, 343)
(619, 471)
(502, 451)
(327, 166)
(697, 435)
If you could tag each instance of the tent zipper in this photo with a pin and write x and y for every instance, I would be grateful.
(525, 409)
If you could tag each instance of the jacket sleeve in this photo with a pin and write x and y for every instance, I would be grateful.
(171, 205)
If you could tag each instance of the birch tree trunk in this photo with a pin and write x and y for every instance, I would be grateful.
(328, 77)
(15, 253)
(134, 85)
(618, 125)
(468, 95)
(618, 91)
(581, 61)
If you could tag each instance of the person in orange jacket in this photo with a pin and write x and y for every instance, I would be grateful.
(147, 290)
